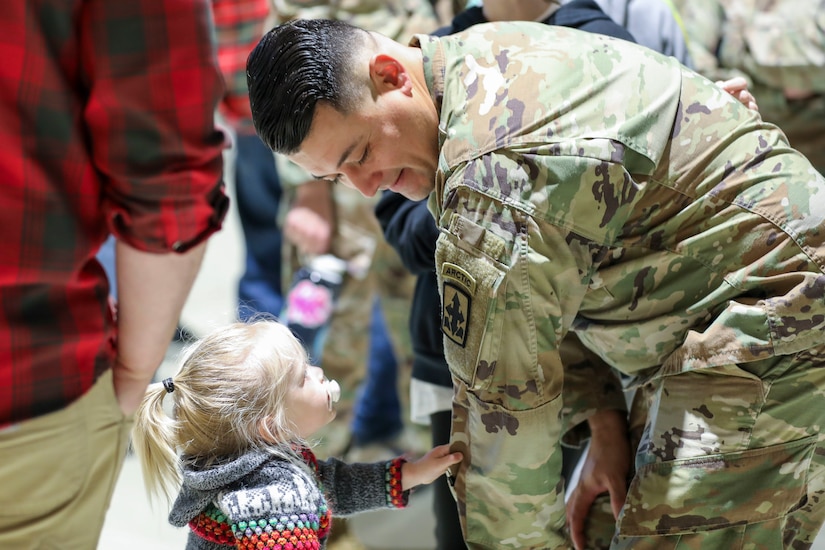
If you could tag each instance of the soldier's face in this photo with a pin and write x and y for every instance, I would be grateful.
(381, 146)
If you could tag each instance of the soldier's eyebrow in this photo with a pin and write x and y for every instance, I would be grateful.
(347, 152)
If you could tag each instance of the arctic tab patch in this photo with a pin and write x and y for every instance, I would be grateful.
(455, 274)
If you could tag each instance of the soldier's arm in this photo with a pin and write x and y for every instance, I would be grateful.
(590, 386)
(605, 470)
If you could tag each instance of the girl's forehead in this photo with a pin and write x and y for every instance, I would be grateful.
(284, 351)
(297, 360)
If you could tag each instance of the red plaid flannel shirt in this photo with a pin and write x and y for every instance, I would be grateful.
(106, 124)
(239, 25)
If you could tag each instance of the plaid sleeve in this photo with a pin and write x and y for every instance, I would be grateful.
(153, 87)
(239, 25)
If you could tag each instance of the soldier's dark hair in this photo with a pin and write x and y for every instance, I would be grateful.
(293, 67)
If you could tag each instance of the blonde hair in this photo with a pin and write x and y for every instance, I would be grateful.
(228, 398)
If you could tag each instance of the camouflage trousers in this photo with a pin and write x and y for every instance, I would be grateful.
(728, 457)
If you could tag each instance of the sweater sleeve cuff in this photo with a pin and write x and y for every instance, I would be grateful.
(396, 498)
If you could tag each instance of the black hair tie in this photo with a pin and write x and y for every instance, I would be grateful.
(169, 385)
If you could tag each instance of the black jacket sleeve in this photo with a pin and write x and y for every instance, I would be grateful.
(410, 229)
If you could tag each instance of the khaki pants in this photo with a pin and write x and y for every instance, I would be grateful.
(58, 472)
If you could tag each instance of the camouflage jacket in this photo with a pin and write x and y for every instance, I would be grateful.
(775, 44)
(592, 186)
(779, 47)
(398, 19)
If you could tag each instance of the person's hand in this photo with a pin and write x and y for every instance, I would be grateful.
(738, 88)
(310, 233)
(309, 224)
(605, 470)
(429, 467)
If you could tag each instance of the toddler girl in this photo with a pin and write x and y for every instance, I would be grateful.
(234, 449)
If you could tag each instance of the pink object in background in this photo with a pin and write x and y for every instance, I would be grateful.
(309, 304)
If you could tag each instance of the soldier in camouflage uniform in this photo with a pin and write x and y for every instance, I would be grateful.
(779, 47)
(602, 209)
(355, 233)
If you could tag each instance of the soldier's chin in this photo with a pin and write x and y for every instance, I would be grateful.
(411, 185)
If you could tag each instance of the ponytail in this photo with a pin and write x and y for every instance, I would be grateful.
(153, 439)
(228, 397)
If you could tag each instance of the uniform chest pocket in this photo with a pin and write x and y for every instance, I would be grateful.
(471, 285)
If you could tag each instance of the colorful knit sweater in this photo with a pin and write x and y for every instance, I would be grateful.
(263, 501)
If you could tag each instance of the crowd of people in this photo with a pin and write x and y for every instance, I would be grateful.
(580, 233)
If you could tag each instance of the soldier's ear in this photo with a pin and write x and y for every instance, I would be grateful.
(387, 73)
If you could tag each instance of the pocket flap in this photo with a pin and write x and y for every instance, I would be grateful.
(701, 494)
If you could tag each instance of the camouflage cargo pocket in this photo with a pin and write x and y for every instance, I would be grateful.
(717, 491)
(508, 485)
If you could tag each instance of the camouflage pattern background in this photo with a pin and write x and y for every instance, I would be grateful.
(357, 232)
(398, 19)
(779, 46)
(593, 188)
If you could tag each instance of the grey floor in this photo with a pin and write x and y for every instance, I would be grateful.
(132, 524)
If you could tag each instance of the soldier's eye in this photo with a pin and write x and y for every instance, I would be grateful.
(365, 156)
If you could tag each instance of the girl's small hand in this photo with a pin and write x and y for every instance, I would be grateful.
(427, 468)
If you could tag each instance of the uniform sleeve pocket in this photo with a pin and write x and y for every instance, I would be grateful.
(718, 491)
(470, 282)
(510, 471)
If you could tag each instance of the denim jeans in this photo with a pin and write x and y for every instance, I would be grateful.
(106, 257)
(258, 192)
(377, 414)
